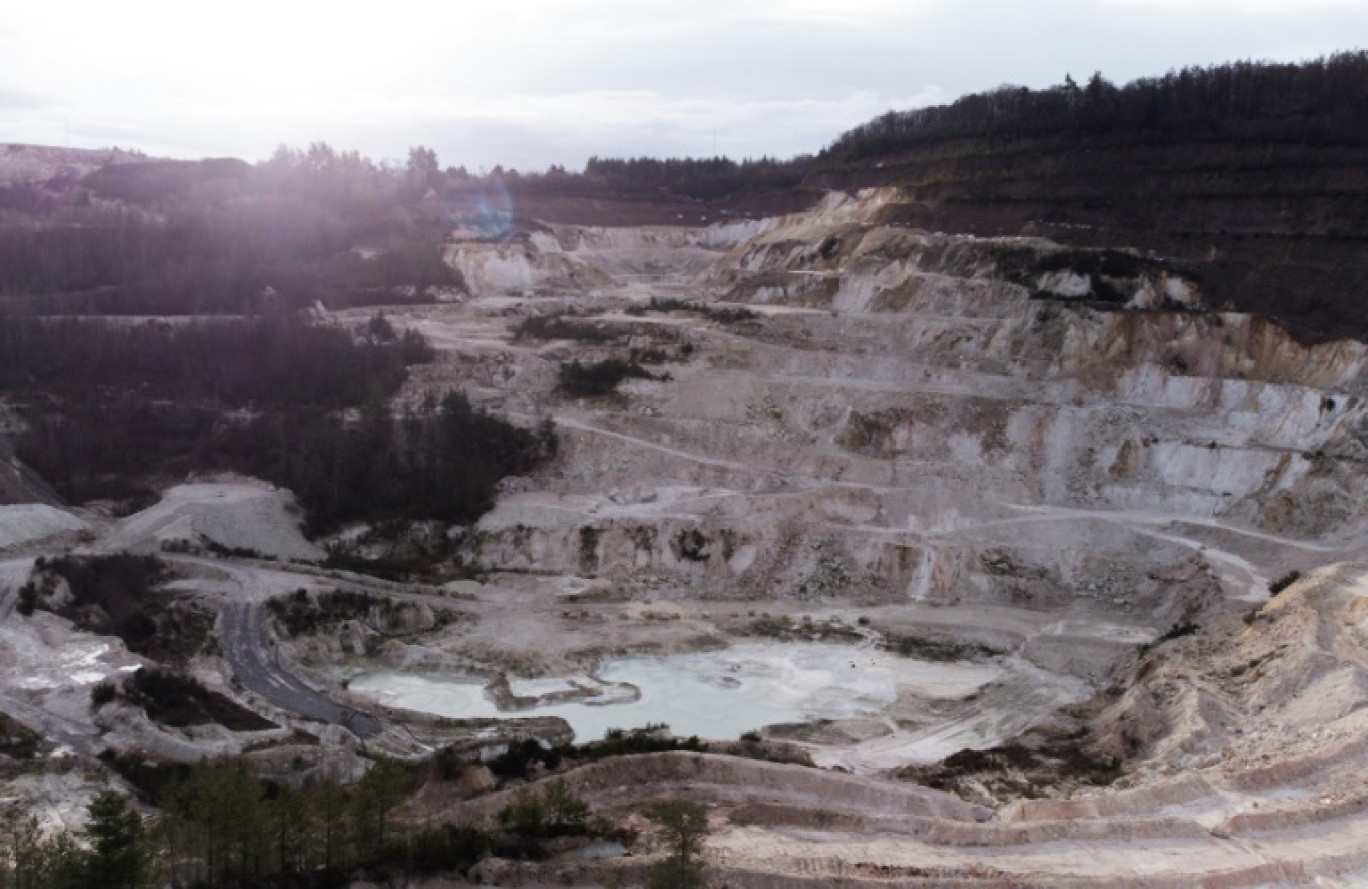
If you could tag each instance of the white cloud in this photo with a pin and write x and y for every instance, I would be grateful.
(543, 81)
(1257, 7)
(528, 131)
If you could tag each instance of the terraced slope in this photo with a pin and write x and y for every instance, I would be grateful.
(954, 440)
(1057, 471)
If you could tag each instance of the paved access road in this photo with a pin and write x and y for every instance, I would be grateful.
(254, 663)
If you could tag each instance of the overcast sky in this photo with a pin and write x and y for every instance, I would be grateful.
(527, 83)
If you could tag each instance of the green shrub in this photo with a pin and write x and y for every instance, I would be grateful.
(684, 825)
(599, 379)
(563, 327)
(1283, 582)
(102, 693)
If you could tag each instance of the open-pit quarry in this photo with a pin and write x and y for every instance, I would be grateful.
(981, 551)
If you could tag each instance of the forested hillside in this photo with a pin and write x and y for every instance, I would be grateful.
(177, 237)
(1317, 103)
(1254, 174)
(115, 409)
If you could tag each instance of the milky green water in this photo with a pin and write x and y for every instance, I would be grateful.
(715, 695)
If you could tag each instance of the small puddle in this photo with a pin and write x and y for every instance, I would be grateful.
(595, 851)
(716, 695)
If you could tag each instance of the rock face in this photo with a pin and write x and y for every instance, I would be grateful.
(1055, 464)
(960, 433)
(899, 419)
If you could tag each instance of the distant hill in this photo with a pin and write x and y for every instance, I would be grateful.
(156, 180)
(43, 163)
(1253, 175)
(1256, 173)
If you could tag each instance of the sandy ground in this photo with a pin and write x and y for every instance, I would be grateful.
(241, 514)
(28, 523)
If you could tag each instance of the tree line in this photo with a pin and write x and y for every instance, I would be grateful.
(440, 461)
(182, 237)
(274, 361)
(218, 825)
(1316, 102)
(221, 826)
(253, 255)
(111, 407)
(702, 178)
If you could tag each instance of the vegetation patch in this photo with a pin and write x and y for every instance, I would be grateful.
(720, 314)
(1242, 101)
(1177, 631)
(521, 760)
(113, 408)
(565, 327)
(299, 613)
(600, 378)
(219, 825)
(413, 268)
(1030, 768)
(698, 178)
(786, 629)
(654, 355)
(441, 461)
(17, 741)
(930, 648)
(210, 545)
(683, 825)
(120, 595)
(728, 314)
(152, 780)
(1106, 270)
(222, 826)
(628, 742)
(265, 362)
(1282, 583)
(534, 815)
(391, 569)
(692, 544)
(751, 745)
(175, 699)
(222, 237)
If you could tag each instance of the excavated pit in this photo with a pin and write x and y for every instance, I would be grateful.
(892, 498)
(883, 429)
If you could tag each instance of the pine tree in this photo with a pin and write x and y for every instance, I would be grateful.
(118, 851)
(684, 824)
